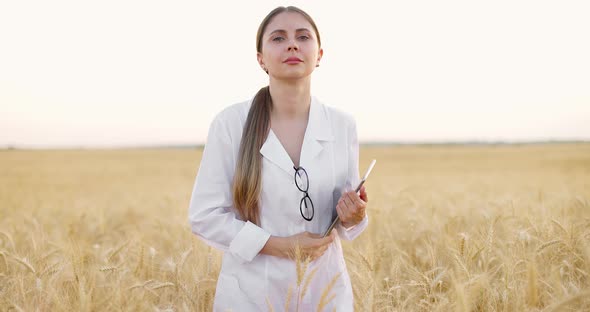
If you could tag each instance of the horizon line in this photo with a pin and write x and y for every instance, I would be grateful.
(367, 144)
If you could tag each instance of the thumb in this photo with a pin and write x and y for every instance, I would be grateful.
(329, 239)
(308, 234)
(316, 236)
(319, 240)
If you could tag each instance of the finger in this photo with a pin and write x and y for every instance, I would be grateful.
(359, 203)
(350, 206)
(340, 212)
(365, 197)
(343, 213)
(350, 209)
(341, 200)
(356, 199)
(363, 194)
(353, 198)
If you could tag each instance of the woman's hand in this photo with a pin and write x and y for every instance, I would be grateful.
(351, 207)
(309, 244)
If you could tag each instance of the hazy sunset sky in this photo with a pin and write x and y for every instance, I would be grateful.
(128, 73)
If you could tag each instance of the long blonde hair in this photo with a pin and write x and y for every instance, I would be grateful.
(247, 183)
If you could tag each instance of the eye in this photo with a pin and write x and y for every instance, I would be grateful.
(303, 37)
(277, 39)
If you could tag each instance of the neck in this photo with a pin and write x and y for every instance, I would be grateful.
(290, 99)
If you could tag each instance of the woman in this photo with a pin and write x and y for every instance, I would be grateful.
(272, 172)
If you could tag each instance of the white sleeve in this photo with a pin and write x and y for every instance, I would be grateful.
(211, 214)
(351, 183)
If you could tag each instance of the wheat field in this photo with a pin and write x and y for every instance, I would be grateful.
(452, 228)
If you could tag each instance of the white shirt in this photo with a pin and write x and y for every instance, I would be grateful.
(248, 279)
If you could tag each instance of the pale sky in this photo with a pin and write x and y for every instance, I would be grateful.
(119, 73)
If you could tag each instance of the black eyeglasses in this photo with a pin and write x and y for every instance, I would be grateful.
(302, 183)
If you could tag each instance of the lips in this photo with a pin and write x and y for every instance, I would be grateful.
(292, 60)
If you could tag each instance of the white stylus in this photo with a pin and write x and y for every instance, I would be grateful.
(358, 188)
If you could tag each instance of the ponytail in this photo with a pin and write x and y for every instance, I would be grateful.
(247, 184)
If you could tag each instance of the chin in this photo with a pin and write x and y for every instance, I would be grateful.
(294, 75)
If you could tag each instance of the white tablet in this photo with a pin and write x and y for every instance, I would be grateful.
(358, 188)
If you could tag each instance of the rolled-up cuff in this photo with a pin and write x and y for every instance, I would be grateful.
(353, 231)
(249, 241)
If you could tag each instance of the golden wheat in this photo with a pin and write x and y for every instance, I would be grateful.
(451, 228)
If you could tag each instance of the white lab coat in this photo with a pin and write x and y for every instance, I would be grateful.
(248, 279)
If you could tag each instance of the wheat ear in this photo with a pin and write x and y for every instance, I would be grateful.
(547, 244)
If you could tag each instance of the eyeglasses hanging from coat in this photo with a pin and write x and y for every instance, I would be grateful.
(302, 183)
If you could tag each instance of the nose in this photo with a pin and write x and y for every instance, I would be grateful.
(293, 45)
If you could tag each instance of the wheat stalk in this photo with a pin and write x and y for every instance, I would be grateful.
(289, 295)
(83, 296)
(532, 295)
(187, 295)
(209, 260)
(48, 254)
(569, 300)
(140, 261)
(9, 238)
(116, 251)
(269, 305)
(4, 262)
(300, 264)
(307, 281)
(184, 256)
(324, 299)
(300, 268)
(366, 261)
(143, 285)
(462, 266)
(162, 285)
(462, 246)
(322, 303)
(490, 238)
(559, 226)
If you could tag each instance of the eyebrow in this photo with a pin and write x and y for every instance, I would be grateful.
(284, 31)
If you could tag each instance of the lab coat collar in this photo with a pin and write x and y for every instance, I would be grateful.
(318, 131)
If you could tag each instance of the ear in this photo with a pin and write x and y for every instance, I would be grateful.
(320, 55)
(260, 60)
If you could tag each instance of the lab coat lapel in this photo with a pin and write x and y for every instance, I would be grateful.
(273, 150)
(319, 130)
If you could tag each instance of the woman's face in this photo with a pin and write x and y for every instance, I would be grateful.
(289, 47)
